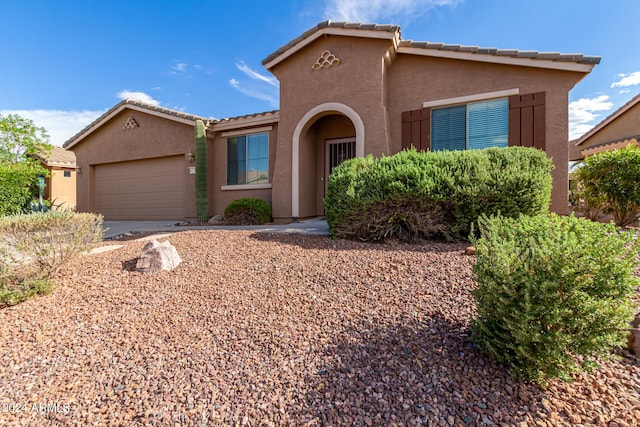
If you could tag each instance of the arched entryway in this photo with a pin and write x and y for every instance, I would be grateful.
(326, 135)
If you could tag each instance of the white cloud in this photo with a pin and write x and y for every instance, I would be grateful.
(270, 80)
(584, 112)
(371, 11)
(138, 96)
(631, 79)
(179, 68)
(60, 124)
(261, 86)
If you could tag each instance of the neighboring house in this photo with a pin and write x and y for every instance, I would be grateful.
(60, 186)
(619, 129)
(346, 90)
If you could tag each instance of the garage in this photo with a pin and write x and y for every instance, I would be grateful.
(150, 189)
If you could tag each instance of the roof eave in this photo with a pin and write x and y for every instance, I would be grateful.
(121, 106)
(581, 67)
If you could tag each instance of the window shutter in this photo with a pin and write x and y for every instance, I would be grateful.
(416, 129)
(527, 120)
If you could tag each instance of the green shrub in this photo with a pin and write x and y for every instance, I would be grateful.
(47, 240)
(18, 186)
(553, 293)
(455, 187)
(610, 179)
(247, 212)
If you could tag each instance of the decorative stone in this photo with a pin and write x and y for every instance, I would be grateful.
(470, 250)
(158, 256)
(216, 219)
(633, 339)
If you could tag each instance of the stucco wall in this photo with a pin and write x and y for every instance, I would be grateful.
(61, 190)
(416, 79)
(356, 82)
(154, 137)
(219, 199)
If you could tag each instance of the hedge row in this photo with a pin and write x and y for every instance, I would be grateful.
(422, 194)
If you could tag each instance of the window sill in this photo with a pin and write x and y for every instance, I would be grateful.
(245, 187)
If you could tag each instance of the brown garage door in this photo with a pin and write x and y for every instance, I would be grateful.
(150, 189)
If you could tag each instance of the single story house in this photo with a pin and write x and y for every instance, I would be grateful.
(60, 186)
(346, 90)
(619, 129)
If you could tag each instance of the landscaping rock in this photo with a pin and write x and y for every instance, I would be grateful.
(633, 338)
(278, 330)
(158, 256)
(216, 219)
(470, 250)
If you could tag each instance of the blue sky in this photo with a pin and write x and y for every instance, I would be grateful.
(65, 62)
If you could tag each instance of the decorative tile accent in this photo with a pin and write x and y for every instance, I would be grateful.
(130, 124)
(326, 60)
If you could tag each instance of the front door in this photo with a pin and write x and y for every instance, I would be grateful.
(338, 150)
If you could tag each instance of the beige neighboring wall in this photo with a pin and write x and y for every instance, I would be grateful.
(151, 137)
(61, 189)
(618, 130)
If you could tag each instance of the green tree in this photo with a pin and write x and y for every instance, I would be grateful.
(20, 141)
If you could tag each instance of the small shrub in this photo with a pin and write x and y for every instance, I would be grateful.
(554, 293)
(454, 187)
(610, 179)
(47, 240)
(247, 211)
(14, 290)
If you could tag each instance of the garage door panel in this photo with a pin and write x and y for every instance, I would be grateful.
(151, 189)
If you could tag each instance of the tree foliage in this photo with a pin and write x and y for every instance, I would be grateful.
(609, 181)
(20, 139)
(20, 142)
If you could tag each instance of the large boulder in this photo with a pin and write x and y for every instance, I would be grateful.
(158, 256)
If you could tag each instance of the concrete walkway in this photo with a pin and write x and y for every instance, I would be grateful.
(113, 229)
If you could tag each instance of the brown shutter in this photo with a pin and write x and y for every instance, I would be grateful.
(527, 120)
(416, 129)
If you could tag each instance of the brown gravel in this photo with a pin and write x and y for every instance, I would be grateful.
(274, 329)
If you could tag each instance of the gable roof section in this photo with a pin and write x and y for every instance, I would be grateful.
(610, 118)
(154, 110)
(58, 156)
(527, 58)
(374, 31)
(610, 145)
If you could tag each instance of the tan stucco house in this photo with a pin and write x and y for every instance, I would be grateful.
(619, 129)
(60, 186)
(346, 90)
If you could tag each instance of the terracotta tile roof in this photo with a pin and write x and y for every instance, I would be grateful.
(229, 122)
(513, 53)
(610, 145)
(449, 48)
(169, 113)
(58, 156)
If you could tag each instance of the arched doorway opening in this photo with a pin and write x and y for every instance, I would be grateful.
(327, 135)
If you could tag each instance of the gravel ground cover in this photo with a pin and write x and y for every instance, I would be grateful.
(275, 329)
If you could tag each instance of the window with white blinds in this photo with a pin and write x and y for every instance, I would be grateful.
(471, 126)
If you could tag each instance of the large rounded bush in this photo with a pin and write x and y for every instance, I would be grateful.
(419, 194)
(554, 293)
(248, 211)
